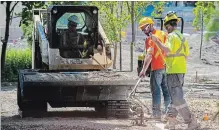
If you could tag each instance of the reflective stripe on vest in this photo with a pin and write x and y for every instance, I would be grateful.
(158, 51)
(182, 46)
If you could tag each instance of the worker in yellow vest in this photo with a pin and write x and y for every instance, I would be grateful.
(176, 49)
(158, 75)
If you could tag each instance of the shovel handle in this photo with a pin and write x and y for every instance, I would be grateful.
(133, 90)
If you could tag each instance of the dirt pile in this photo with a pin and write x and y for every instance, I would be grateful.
(210, 50)
(80, 76)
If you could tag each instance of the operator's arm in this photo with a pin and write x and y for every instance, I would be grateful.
(82, 43)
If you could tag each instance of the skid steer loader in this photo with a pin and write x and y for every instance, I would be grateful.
(72, 80)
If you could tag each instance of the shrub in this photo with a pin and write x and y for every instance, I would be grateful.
(16, 59)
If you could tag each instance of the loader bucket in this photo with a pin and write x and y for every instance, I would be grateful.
(74, 89)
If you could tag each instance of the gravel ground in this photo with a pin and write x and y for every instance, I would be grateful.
(201, 99)
(11, 121)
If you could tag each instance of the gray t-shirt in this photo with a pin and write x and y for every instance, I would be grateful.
(72, 40)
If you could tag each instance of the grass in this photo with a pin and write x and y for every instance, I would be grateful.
(16, 59)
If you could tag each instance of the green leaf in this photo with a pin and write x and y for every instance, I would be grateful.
(209, 15)
(112, 23)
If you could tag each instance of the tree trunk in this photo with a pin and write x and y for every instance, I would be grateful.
(120, 38)
(5, 40)
(133, 33)
(115, 46)
(202, 29)
(115, 55)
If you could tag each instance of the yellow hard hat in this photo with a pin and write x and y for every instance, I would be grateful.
(171, 15)
(144, 21)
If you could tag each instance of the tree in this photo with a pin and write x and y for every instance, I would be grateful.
(108, 17)
(213, 24)
(26, 22)
(205, 13)
(208, 9)
(26, 15)
(9, 13)
(113, 25)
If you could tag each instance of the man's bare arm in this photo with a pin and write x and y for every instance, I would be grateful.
(147, 61)
(160, 45)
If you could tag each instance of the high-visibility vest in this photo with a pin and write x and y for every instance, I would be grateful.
(176, 60)
(158, 57)
(159, 52)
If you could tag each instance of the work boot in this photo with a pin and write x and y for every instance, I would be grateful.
(164, 119)
(171, 123)
(156, 118)
(193, 125)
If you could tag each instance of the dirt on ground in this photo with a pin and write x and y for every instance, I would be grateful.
(202, 98)
(86, 118)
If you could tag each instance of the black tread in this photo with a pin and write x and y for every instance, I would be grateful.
(29, 105)
(115, 109)
(118, 109)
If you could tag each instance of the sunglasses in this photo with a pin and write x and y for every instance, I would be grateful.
(145, 28)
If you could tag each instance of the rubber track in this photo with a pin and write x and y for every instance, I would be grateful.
(118, 109)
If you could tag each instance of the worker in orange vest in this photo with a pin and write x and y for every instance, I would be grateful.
(156, 58)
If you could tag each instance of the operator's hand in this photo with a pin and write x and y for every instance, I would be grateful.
(99, 48)
(142, 73)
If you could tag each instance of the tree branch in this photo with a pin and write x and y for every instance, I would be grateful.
(128, 7)
(13, 7)
(140, 12)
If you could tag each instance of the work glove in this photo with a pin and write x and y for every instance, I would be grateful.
(84, 53)
(85, 44)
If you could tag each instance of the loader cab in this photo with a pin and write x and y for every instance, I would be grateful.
(62, 22)
(87, 28)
